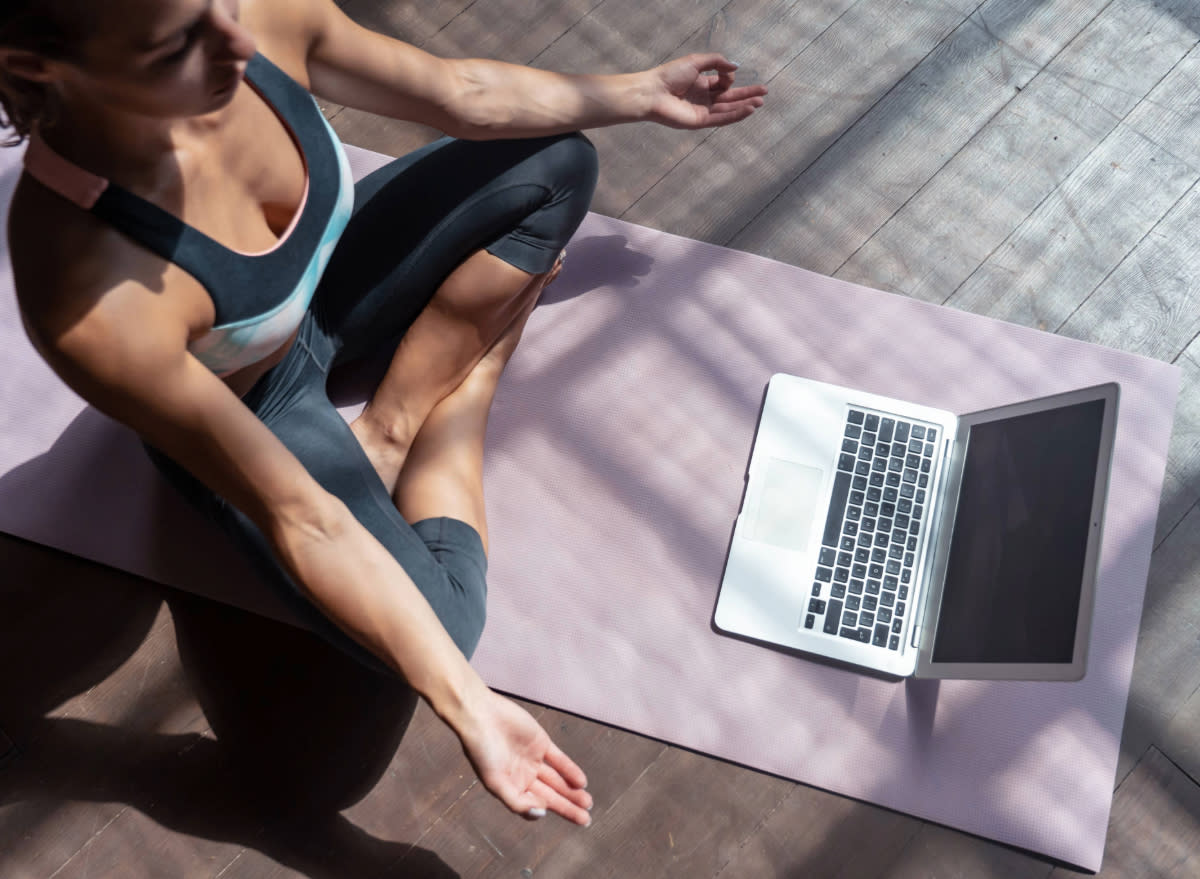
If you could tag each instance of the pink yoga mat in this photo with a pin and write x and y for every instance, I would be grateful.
(616, 457)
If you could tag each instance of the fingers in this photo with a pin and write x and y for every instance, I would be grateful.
(572, 805)
(712, 61)
(565, 767)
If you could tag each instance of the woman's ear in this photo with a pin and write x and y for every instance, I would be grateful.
(26, 65)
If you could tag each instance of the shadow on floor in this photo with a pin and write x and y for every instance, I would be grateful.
(301, 730)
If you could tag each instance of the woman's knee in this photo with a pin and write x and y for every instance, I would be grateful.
(575, 166)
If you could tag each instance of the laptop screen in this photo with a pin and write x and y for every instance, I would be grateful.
(1016, 562)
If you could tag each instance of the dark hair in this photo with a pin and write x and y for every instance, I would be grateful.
(52, 28)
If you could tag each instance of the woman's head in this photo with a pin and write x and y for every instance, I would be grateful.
(156, 58)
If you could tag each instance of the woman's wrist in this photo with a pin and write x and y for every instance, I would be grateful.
(455, 697)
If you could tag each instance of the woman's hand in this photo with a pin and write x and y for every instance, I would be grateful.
(697, 91)
(515, 759)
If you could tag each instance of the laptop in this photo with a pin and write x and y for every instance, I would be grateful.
(917, 543)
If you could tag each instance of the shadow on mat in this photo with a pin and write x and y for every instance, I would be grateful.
(302, 731)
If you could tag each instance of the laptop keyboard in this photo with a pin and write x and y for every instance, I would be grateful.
(874, 530)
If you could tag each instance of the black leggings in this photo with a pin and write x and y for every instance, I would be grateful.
(415, 220)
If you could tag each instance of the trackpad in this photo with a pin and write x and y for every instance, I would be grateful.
(787, 503)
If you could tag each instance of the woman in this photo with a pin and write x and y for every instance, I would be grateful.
(192, 258)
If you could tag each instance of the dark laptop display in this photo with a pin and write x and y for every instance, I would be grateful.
(1014, 573)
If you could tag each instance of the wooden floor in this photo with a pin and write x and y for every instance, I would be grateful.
(1032, 160)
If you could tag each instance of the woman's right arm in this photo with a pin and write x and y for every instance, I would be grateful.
(127, 356)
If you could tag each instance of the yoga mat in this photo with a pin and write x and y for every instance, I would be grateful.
(616, 456)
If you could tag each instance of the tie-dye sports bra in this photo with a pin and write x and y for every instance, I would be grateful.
(259, 298)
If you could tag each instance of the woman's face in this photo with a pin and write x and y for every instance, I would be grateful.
(162, 58)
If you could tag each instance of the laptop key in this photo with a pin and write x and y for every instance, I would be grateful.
(826, 557)
(847, 543)
(881, 635)
(876, 478)
(862, 555)
(849, 618)
(889, 583)
(872, 587)
(906, 492)
(838, 590)
(816, 605)
(870, 603)
(899, 608)
(910, 476)
(894, 642)
(824, 574)
(931, 435)
(918, 431)
(816, 590)
(845, 462)
(928, 450)
(862, 468)
(841, 575)
(859, 571)
(852, 602)
(879, 556)
(901, 432)
(833, 617)
(856, 587)
(886, 425)
(892, 567)
(872, 423)
(837, 508)
(853, 431)
(897, 625)
(809, 620)
(856, 416)
(866, 618)
(887, 599)
(923, 480)
(883, 615)
(903, 593)
(860, 482)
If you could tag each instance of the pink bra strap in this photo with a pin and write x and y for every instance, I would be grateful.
(64, 177)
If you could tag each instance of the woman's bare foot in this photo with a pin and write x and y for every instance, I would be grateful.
(388, 443)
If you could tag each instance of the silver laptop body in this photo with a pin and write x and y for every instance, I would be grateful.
(914, 542)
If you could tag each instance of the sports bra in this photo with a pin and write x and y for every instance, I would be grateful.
(259, 298)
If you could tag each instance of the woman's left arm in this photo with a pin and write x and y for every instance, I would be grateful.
(477, 99)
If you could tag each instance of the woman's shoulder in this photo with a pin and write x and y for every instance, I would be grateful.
(68, 264)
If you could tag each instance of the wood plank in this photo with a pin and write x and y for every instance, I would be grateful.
(763, 36)
(817, 833)
(412, 22)
(1166, 669)
(934, 242)
(1050, 264)
(848, 68)
(1154, 828)
(840, 200)
(686, 815)
(1150, 304)
(937, 852)
(80, 643)
(1181, 489)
